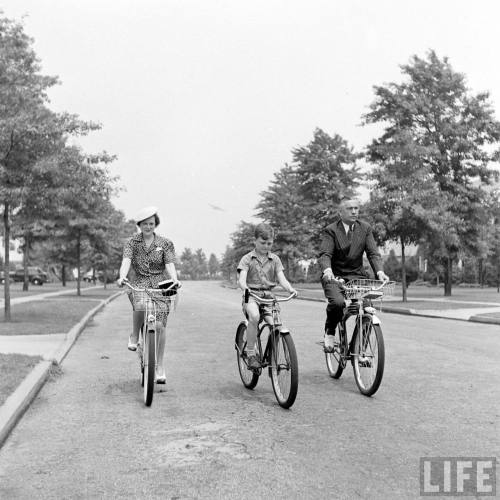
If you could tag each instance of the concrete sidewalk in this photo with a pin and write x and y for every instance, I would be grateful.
(52, 347)
(45, 345)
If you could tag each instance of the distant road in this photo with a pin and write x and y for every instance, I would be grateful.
(88, 434)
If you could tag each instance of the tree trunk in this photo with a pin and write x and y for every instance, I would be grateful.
(480, 272)
(78, 248)
(403, 270)
(448, 267)
(63, 275)
(26, 278)
(105, 276)
(6, 233)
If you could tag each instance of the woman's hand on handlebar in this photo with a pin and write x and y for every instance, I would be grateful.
(121, 281)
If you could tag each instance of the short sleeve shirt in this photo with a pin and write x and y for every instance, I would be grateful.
(149, 264)
(262, 272)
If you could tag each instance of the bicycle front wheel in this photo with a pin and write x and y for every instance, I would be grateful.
(284, 370)
(149, 366)
(248, 377)
(334, 359)
(369, 358)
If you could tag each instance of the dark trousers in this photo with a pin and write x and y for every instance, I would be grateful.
(336, 303)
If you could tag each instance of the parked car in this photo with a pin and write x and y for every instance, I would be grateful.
(111, 276)
(35, 275)
(88, 277)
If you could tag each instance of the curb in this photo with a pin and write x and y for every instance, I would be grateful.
(19, 401)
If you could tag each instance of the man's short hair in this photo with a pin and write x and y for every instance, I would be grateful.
(344, 200)
(264, 231)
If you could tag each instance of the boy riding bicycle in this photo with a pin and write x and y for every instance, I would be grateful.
(260, 271)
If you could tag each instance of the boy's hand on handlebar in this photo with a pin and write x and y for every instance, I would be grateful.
(328, 275)
(293, 292)
(121, 281)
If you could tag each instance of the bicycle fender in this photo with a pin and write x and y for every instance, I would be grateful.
(284, 331)
(375, 320)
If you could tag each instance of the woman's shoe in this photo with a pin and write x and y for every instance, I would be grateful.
(161, 377)
(132, 346)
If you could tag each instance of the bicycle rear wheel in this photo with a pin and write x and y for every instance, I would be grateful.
(149, 366)
(248, 377)
(284, 370)
(334, 360)
(369, 358)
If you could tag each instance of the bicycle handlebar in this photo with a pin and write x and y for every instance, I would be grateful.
(268, 301)
(174, 286)
(344, 286)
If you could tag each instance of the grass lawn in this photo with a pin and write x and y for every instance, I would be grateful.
(13, 369)
(16, 288)
(489, 295)
(56, 314)
(53, 314)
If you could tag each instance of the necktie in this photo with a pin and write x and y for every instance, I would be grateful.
(349, 233)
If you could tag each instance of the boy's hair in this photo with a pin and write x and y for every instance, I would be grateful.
(264, 231)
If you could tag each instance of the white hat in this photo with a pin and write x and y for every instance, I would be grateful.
(145, 213)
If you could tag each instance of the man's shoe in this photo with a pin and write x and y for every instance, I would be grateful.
(132, 345)
(253, 362)
(329, 342)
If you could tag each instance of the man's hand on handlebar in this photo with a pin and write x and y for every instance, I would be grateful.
(382, 276)
(329, 276)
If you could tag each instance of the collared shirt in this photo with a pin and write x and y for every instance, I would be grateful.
(262, 271)
(346, 227)
(149, 263)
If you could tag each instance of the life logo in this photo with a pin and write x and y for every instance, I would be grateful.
(458, 476)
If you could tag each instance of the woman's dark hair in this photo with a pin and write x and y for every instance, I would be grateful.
(157, 220)
(264, 231)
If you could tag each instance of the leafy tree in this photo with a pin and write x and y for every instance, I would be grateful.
(201, 264)
(304, 196)
(213, 266)
(228, 266)
(187, 264)
(447, 128)
(83, 202)
(403, 196)
(241, 243)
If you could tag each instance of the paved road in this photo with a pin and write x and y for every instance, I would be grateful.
(88, 435)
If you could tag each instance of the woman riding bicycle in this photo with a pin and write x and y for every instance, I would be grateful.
(152, 258)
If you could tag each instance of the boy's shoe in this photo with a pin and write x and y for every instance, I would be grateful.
(253, 362)
(329, 342)
(364, 362)
(132, 344)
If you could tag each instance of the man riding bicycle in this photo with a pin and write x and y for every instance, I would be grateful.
(343, 244)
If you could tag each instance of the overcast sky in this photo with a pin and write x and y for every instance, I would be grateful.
(203, 101)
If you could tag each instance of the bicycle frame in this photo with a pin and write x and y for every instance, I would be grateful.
(151, 301)
(365, 348)
(275, 327)
(355, 307)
